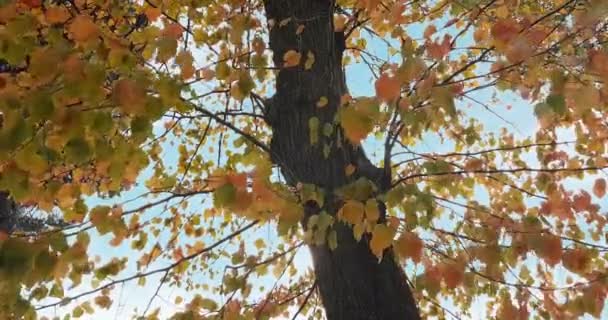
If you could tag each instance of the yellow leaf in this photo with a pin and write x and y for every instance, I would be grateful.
(29, 160)
(322, 102)
(259, 244)
(349, 170)
(103, 301)
(291, 58)
(502, 12)
(358, 230)
(357, 120)
(382, 237)
(352, 212)
(310, 60)
(332, 240)
(372, 213)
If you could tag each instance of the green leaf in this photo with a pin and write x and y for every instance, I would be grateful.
(557, 103)
(332, 240)
(313, 130)
(224, 196)
(77, 150)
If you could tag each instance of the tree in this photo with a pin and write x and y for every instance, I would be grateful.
(246, 102)
(24, 220)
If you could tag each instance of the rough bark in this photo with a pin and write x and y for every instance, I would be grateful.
(352, 283)
(7, 213)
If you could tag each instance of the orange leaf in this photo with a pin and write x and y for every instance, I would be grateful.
(581, 201)
(57, 15)
(473, 164)
(599, 62)
(438, 50)
(173, 30)
(130, 95)
(349, 170)
(429, 31)
(410, 246)
(453, 274)
(152, 13)
(599, 187)
(238, 180)
(388, 88)
(576, 260)
(504, 30)
(339, 22)
(291, 58)
(32, 3)
(550, 249)
(83, 29)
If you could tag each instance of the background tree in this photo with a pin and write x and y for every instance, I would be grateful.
(24, 220)
(128, 115)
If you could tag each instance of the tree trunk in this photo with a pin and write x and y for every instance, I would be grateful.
(352, 283)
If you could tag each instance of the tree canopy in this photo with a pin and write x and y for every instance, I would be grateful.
(204, 144)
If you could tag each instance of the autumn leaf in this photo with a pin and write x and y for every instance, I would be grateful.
(388, 88)
(152, 13)
(357, 120)
(581, 201)
(438, 50)
(599, 187)
(349, 170)
(550, 249)
(57, 14)
(504, 30)
(452, 274)
(429, 31)
(352, 212)
(409, 245)
(83, 29)
(339, 22)
(577, 260)
(322, 102)
(173, 30)
(310, 60)
(130, 96)
(372, 212)
(382, 238)
(291, 58)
